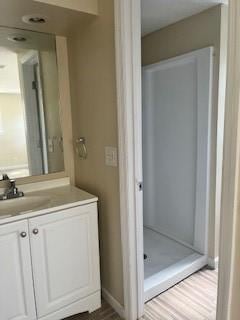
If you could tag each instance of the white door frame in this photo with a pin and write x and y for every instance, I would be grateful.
(128, 68)
(128, 61)
(229, 274)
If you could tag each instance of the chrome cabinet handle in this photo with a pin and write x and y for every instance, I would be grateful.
(35, 231)
(23, 234)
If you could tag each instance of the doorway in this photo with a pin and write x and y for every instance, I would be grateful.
(29, 68)
(177, 111)
(134, 199)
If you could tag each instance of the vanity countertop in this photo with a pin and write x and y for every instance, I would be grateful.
(42, 202)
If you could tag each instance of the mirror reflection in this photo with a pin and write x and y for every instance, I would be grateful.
(30, 132)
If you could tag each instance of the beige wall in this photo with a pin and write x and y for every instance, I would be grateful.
(194, 33)
(93, 89)
(89, 6)
(12, 136)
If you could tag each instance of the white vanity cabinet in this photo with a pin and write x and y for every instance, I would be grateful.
(16, 282)
(51, 265)
(65, 258)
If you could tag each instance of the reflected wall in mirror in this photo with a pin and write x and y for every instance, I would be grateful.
(30, 131)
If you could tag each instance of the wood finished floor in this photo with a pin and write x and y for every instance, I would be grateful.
(192, 299)
(105, 313)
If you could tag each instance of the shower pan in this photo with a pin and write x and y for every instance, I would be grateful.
(176, 161)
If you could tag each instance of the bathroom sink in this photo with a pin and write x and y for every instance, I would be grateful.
(22, 205)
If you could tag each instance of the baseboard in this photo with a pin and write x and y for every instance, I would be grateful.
(113, 303)
(213, 263)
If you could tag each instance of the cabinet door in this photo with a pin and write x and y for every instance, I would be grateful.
(16, 284)
(65, 257)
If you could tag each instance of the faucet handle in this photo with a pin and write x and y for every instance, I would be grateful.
(12, 182)
(4, 177)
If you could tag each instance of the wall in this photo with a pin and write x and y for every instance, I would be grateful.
(88, 6)
(190, 34)
(12, 131)
(93, 88)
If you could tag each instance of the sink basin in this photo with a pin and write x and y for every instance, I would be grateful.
(22, 205)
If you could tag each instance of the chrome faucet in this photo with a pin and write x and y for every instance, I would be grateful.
(11, 192)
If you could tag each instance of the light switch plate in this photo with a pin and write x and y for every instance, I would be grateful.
(50, 145)
(111, 159)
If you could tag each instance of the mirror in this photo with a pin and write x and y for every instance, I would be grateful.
(30, 132)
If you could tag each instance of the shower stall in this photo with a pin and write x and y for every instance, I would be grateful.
(176, 165)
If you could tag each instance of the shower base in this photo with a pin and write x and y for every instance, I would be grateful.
(168, 262)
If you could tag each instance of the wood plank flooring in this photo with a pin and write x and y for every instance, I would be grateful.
(105, 313)
(192, 299)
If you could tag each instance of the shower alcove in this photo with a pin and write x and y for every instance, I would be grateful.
(176, 160)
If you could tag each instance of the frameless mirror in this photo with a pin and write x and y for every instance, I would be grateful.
(30, 132)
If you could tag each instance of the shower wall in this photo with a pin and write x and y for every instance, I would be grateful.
(177, 110)
(170, 148)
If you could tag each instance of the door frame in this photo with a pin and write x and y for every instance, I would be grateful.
(128, 74)
(129, 104)
(229, 275)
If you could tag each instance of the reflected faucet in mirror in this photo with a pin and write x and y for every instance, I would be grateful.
(11, 191)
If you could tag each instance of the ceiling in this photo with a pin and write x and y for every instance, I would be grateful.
(60, 21)
(157, 14)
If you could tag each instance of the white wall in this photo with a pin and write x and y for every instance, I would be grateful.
(12, 132)
(170, 143)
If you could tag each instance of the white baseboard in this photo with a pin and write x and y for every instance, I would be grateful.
(113, 303)
(213, 263)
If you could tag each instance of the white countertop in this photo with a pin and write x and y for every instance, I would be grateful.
(42, 202)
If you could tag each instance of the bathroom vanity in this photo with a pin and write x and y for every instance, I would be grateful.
(49, 246)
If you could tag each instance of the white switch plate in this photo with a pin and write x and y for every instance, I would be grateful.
(111, 159)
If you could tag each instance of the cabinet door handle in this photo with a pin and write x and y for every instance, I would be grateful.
(35, 231)
(23, 234)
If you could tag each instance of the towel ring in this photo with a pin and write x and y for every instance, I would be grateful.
(81, 148)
